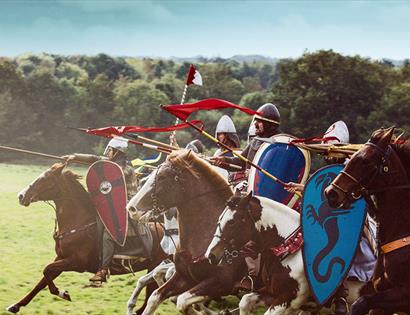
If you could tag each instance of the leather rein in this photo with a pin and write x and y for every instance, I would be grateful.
(366, 193)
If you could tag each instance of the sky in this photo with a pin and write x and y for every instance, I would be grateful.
(154, 28)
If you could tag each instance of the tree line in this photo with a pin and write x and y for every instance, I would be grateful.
(42, 95)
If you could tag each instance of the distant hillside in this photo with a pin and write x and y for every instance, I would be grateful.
(237, 58)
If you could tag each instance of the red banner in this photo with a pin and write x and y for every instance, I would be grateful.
(183, 111)
(121, 130)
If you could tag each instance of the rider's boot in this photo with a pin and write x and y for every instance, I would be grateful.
(101, 275)
(341, 306)
(339, 301)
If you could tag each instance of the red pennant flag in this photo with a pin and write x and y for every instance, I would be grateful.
(183, 111)
(193, 76)
(121, 130)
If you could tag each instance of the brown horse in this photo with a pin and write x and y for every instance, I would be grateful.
(76, 238)
(199, 193)
(380, 173)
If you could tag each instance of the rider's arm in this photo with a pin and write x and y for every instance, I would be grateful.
(87, 158)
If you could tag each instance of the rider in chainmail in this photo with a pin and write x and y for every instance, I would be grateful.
(114, 152)
(266, 122)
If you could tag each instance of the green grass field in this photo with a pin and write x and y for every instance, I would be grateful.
(27, 246)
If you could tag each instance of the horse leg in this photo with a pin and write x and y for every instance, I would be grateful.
(151, 286)
(249, 301)
(141, 283)
(187, 299)
(148, 291)
(392, 300)
(159, 273)
(53, 270)
(14, 308)
(45, 281)
(173, 286)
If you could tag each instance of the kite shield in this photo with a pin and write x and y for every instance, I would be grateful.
(284, 161)
(331, 236)
(106, 185)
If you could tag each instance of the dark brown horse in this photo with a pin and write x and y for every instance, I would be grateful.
(199, 192)
(76, 235)
(380, 173)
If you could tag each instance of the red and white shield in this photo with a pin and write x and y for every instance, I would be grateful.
(106, 185)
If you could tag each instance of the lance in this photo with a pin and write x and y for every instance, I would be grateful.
(55, 157)
(136, 142)
(162, 144)
(164, 148)
(240, 156)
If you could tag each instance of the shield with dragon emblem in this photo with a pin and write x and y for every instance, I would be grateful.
(331, 236)
(286, 162)
(106, 185)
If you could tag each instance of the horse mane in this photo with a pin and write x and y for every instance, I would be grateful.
(403, 151)
(187, 159)
(72, 184)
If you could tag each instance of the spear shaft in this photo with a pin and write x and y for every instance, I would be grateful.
(55, 157)
(239, 155)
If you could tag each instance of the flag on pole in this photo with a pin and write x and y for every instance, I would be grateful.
(193, 76)
(123, 130)
(185, 110)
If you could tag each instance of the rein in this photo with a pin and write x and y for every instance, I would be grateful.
(290, 245)
(382, 169)
(158, 209)
(61, 236)
(366, 193)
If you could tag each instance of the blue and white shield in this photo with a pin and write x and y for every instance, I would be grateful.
(286, 162)
(331, 236)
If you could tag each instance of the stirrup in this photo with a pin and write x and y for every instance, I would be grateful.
(251, 281)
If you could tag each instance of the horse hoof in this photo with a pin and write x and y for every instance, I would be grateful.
(13, 308)
(64, 295)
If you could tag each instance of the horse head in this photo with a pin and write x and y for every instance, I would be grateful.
(163, 189)
(44, 187)
(235, 227)
(375, 166)
(181, 179)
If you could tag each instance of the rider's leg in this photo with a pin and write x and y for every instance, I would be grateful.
(108, 249)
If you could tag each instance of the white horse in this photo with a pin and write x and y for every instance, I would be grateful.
(267, 222)
(166, 268)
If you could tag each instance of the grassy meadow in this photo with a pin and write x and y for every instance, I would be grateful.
(27, 246)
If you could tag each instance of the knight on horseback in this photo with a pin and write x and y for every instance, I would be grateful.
(115, 151)
(266, 124)
(226, 133)
(365, 260)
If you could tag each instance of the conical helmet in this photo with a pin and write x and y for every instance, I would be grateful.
(225, 125)
(118, 144)
(268, 112)
(337, 130)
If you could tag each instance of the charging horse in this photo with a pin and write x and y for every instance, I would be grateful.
(76, 235)
(199, 193)
(380, 173)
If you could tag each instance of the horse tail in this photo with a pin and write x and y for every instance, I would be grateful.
(325, 277)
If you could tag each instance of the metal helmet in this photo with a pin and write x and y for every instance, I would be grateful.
(337, 130)
(196, 146)
(251, 130)
(118, 144)
(225, 125)
(268, 112)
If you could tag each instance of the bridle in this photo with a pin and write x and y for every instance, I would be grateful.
(179, 181)
(157, 208)
(383, 168)
(230, 252)
(51, 187)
